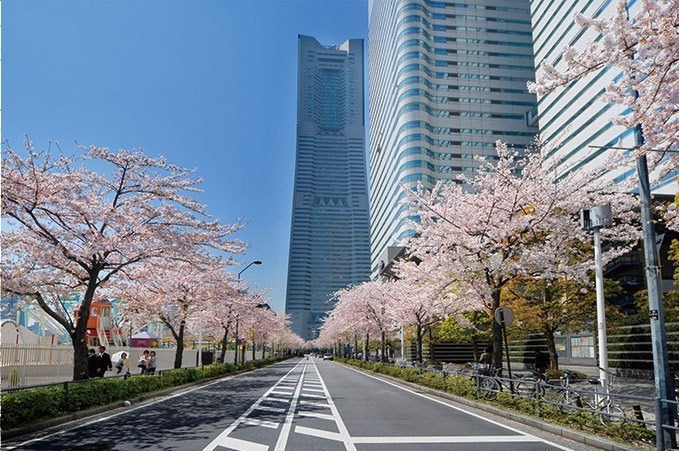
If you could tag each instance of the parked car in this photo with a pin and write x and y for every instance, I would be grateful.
(327, 356)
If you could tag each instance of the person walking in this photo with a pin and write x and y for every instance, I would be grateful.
(123, 365)
(92, 363)
(151, 366)
(104, 364)
(143, 362)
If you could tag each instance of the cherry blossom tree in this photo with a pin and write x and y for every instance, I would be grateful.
(369, 304)
(177, 292)
(645, 49)
(423, 297)
(74, 228)
(510, 219)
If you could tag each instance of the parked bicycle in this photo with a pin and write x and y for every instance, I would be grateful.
(567, 399)
(532, 386)
(602, 404)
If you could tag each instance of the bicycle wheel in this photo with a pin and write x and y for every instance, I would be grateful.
(489, 388)
(528, 388)
(611, 414)
(568, 401)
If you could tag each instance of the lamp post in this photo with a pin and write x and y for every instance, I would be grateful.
(595, 219)
(235, 357)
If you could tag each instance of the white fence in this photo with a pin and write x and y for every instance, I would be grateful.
(25, 365)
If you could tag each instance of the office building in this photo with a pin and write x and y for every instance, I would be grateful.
(447, 80)
(578, 116)
(329, 239)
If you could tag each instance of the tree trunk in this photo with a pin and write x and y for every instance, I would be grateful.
(355, 356)
(384, 348)
(253, 350)
(551, 347)
(225, 341)
(366, 347)
(263, 350)
(242, 354)
(420, 336)
(497, 332)
(475, 347)
(80, 354)
(180, 346)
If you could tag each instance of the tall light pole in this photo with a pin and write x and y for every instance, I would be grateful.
(595, 219)
(235, 357)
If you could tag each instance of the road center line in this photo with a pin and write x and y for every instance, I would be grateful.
(223, 438)
(285, 430)
(343, 432)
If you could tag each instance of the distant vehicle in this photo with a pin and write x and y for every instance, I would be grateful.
(327, 356)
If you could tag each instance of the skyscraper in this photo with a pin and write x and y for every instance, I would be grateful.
(329, 239)
(579, 110)
(447, 80)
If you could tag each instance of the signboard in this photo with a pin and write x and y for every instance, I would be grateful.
(507, 313)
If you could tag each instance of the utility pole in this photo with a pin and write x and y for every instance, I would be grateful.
(664, 384)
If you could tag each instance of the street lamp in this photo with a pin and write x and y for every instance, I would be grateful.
(256, 262)
(594, 219)
(235, 357)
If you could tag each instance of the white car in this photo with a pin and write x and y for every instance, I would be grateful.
(327, 356)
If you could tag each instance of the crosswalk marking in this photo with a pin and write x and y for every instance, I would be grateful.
(307, 413)
(319, 433)
(263, 423)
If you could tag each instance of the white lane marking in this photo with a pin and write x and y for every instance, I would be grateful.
(126, 411)
(277, 399)
(309, 395)
(223, 438)
(422, 395)
(264, 423)
(451, 439)
(313, 404)
(270, 409)
(285, 430)
(278, 392)
(322, 416)
(319, 433)
(343, 432)
(316, 390)
(242, 445)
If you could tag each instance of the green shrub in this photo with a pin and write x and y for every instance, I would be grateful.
(25, 406)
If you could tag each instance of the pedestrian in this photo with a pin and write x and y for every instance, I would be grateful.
(151, 367)
(123, 365)
(487, 356)
(143, 362)
(542, 361)
(92, 363)
(105, 363)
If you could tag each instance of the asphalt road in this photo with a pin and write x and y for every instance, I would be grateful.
(294, 405)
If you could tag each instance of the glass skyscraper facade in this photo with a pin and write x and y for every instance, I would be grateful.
(447, 80)
(578, 116)
(329, 239)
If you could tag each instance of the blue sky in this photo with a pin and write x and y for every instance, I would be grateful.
(210, 84)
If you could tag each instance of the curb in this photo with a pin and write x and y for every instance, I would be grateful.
(562, 431)
(114, 407)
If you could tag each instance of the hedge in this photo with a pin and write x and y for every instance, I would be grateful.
(21, 408)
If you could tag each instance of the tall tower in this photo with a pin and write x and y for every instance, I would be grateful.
(447, 80)
(329, 239)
